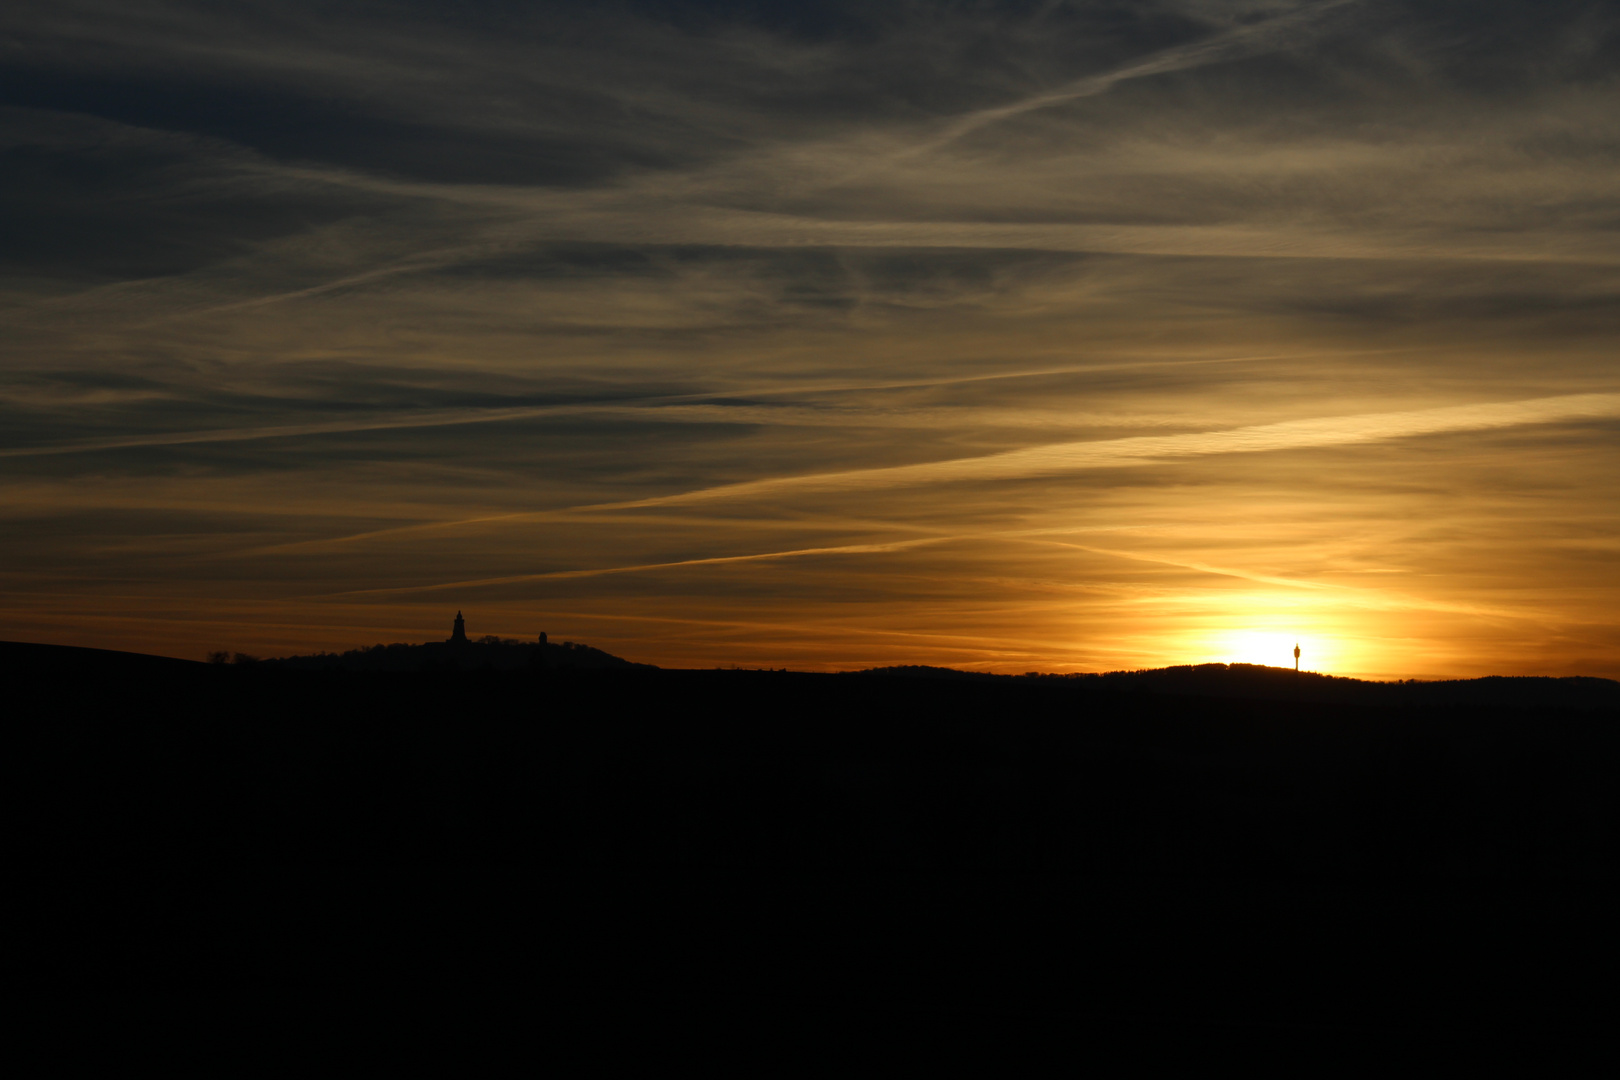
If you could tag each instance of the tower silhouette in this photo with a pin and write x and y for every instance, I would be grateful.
(459, 635)
(1296, 650)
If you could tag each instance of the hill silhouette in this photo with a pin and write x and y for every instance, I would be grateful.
(1285, 684)
(1226, 845)
(31, 662)
(489, 652)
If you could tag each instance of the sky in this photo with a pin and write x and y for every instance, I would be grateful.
(1051, 336)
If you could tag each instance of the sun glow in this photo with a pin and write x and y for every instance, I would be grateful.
(1263, 628)
(1271, 648)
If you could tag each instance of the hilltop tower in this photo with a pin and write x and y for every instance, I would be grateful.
(1296, 650)
(459, 635)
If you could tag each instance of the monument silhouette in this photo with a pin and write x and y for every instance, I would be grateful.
(458, 636)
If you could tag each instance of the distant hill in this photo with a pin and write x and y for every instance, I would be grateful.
(493, 653)
(925, 671)
(27, 657)
(1256, 681)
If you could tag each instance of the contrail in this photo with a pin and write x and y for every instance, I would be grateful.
(560, 575)
(655, 406)
(1245, 41)
(1061, 458)
(382, 423)
(1201, 567)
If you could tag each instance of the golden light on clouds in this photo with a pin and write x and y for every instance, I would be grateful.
(1068, 339)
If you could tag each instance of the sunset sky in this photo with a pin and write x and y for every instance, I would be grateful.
(1041, 336)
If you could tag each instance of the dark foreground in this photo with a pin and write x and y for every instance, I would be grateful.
(1094, 854)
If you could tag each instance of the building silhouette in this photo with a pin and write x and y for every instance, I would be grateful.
(458, 636)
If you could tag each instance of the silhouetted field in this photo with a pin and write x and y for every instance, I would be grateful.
(1104, 846)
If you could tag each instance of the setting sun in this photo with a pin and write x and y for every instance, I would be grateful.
(1259, 647)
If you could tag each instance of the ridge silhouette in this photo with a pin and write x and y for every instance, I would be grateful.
(1194, 841)
(468, 654)
(1255, 681)
(1262, 682)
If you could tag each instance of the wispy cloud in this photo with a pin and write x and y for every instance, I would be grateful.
(285, 431)
(1252, 39)
(719, 560)
(1147, 449)
(1064, 458)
